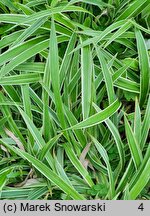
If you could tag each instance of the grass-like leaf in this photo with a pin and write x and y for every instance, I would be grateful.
(99, 117)
(133, 145)
(144, 66)
(47, 172)
(74, 99)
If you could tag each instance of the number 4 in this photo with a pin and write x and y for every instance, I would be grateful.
(141, 207)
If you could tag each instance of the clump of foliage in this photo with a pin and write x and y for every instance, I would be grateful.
(74, 99)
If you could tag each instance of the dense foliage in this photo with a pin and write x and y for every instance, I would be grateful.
(74, 99)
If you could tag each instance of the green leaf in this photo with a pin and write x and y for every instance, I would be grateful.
(72, 121)
(127, 85)
(101, 36)
(145, 125)
(98, 3)
(75, 161)
(137, 122)
(118, 33)
(20, 79)
(133, 9)
(142, 181)
(144, 67)
(15, 51)
(133, 145)
(4, 178)
(86, 80)
(113, 129)
(47, 147)
(37, 193)
(98, 117)
(48, 12)
(67, 59)
(105, 157)
(27, 108)
(48, 173)
(107, 77)
(22, 57)
(54, 69)
(29, 31)
(12, 124)
(36, 134)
